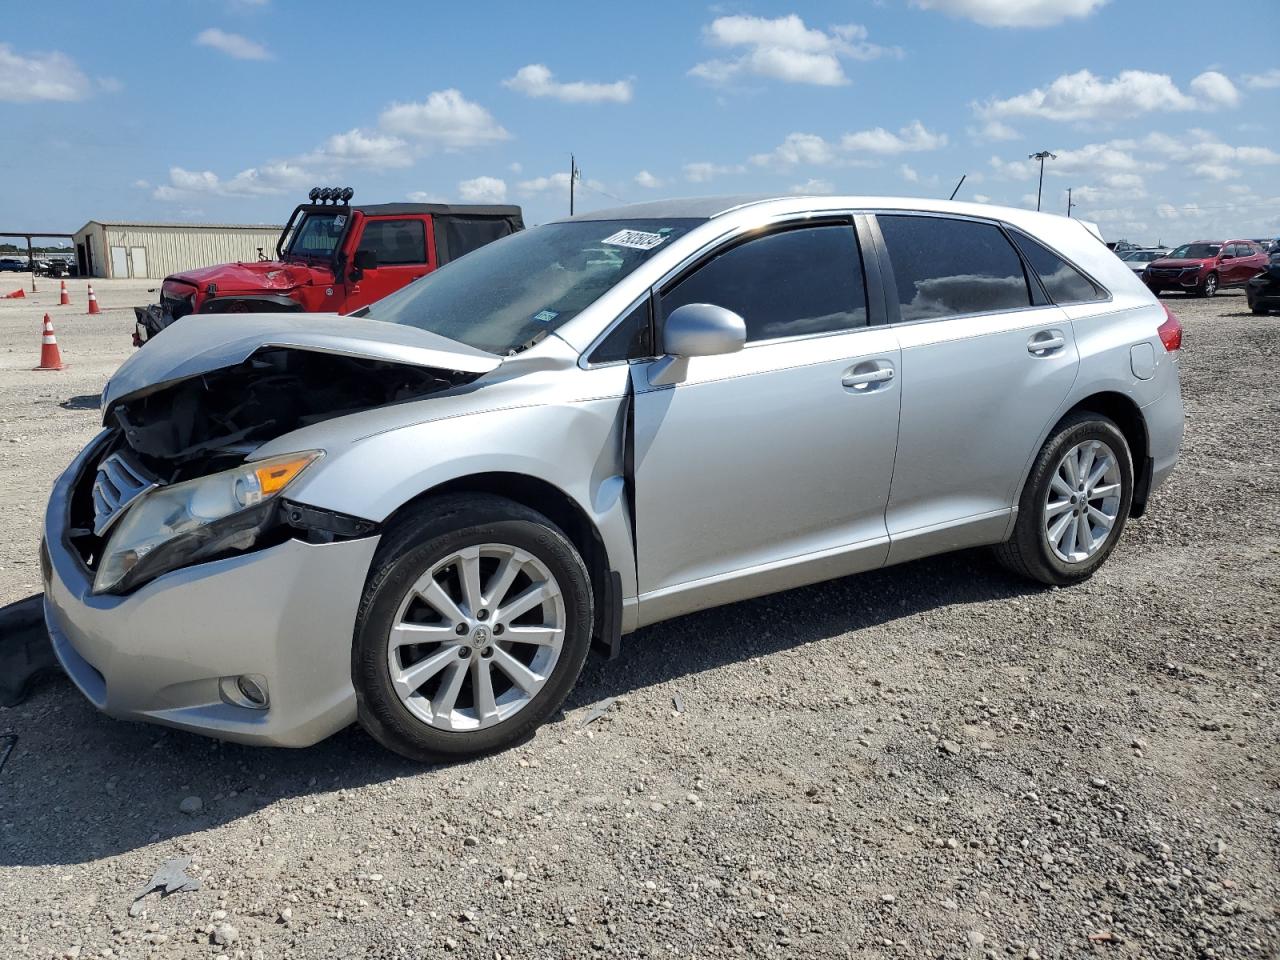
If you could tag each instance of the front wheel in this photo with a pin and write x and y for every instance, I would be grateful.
(1210, 286)
(475, 622)
(1075, 503)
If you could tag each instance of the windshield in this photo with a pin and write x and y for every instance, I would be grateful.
(509, 294)
(1195, 251)
(317, 235)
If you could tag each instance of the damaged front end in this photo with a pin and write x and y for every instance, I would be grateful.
(173, 481)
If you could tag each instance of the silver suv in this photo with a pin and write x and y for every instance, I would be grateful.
(421, 516)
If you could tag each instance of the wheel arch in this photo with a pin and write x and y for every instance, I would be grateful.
(1126, 415)
(562, 510)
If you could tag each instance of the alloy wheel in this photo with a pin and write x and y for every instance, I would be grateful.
(476, 637)
(1210, 285)
(1083, 501)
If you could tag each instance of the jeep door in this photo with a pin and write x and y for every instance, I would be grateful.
(767, 468)
(402, 249)
(987, 362)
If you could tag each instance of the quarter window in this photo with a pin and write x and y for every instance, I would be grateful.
(631, 339)
(1063, 282)
(395, 241)
(944, 267)
(786, 284)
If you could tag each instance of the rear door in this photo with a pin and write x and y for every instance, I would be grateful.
(402, 247)
(986, 364)
(766, 468)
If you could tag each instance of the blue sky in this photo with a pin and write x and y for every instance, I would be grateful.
(228, 110)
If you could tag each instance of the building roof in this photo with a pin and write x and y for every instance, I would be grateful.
(185, 226)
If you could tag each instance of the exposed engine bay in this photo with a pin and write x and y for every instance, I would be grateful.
(201, 424)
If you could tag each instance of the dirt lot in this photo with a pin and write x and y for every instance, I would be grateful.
(933, 761)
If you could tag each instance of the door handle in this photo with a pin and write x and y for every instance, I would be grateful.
(1045, 342)
(879, 375)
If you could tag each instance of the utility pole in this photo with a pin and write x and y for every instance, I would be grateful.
(1042, 156)
(1069, 203)
(574, 174)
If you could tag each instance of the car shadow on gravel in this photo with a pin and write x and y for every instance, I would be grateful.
(80, 786)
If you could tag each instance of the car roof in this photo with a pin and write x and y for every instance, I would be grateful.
(437, 209)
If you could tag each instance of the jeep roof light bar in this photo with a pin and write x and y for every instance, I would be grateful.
(331, 194)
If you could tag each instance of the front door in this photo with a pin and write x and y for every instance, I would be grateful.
(768, 468)
(400, 244)
(986, 364)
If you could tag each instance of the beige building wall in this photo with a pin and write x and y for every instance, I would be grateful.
(156, 250)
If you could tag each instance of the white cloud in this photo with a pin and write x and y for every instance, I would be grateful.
(426, 196)
(269, 179)
(1013, 13)
(1267, 80)
(981, 198)
(786, 49)
(1208, 156)
(483, 190)
(556, 183)
(994, 130)
(142, 184)
(515, 166)
(909, 174)
(910, 139)
(1084, 96)
(40, 76)
(1216, 88)
(536, 80)
(814, 186)
(701, 172)
(1115, 157)
(811, 149)
(647, 180)
(232, 44)
(374, 151)
(446, 118)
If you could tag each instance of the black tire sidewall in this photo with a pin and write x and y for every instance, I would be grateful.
(1031, 518)
(408, 552)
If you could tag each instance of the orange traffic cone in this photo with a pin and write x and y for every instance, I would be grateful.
(64, 300)
(93, 301)
(50, 355)
(16, 295)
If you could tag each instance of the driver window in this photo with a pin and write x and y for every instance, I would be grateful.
(395, 242)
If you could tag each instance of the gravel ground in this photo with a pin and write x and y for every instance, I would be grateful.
(932, 761)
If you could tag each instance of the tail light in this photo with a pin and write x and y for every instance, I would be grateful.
(1170, 331)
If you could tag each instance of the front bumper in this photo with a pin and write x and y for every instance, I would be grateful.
(1186, 280)
(285, 613)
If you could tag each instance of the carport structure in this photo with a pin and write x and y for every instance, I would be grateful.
(29, 236)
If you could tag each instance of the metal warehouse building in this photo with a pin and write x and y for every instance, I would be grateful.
(156, 250)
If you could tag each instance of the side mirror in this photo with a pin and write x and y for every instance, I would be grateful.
(1226, 256)
(702, 330)
(365, 260)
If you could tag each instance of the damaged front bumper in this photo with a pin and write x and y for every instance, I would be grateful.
(173, 651)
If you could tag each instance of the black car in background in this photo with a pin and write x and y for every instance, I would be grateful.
(1263, 290)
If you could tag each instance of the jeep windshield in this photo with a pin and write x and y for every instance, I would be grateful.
(1195, 251)
(318, 235)
(511, 293)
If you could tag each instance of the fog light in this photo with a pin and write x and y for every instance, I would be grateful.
(248, 690)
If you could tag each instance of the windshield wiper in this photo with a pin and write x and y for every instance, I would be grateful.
(537, 337)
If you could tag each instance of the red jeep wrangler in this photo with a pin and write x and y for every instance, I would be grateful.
(333, 257)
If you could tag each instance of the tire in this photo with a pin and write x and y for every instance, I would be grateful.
(1029, 552)
(1259, 310)
(405, 713)
(1208, 287)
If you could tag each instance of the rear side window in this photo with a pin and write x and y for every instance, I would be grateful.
(395, 241)
(1063, 282)
(787, 284)
(944, 267)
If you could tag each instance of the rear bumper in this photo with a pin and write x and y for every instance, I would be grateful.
(169, 652)
(1165, 424)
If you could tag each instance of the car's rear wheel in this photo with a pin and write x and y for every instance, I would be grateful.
(474, 626)
(1209, 286)
(1259, 310)
(1075, 503)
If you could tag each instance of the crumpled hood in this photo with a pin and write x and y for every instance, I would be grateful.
(267, 275)
(209, 342)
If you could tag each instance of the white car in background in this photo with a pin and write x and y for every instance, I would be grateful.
(1137, 260)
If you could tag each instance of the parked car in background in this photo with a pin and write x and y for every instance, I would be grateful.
(1263, 289)
(1205, 267)
(1138, 259)
(332, 257)
(13, 265)
(420, 515)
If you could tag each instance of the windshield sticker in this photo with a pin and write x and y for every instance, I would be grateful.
(635, 239)
(546, 316)
(339, 220)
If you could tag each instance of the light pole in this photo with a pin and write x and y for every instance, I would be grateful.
(1042, 156)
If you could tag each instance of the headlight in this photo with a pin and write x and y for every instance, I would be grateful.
(187, 522)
